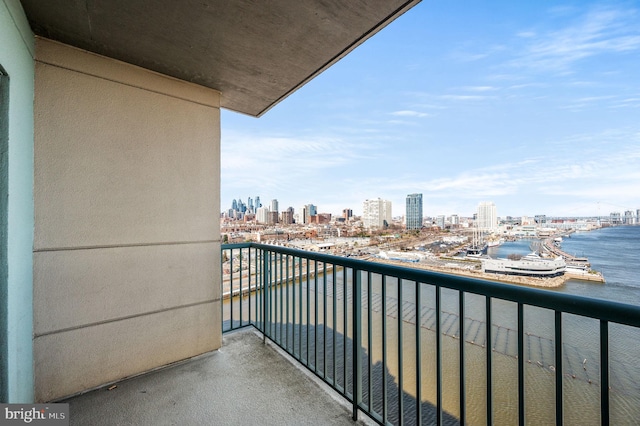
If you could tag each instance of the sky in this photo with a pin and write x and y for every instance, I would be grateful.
(533, 105)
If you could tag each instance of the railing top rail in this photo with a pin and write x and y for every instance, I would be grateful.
(579, 305)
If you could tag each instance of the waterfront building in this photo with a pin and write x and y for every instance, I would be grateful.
(615, 218)
(487, 216)
(376, 213)
(628, 217)
(540, 219)
(414, 211)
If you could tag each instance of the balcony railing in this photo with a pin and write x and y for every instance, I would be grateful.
(391, 340)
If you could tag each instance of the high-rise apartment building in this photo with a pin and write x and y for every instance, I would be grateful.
(414, 211)
(487, 216)
(287, 216)
(376, 213)
(262, 215)
(347, 214)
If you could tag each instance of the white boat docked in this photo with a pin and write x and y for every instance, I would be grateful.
(531, 265)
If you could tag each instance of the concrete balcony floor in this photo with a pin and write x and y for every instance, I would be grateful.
(245, 382)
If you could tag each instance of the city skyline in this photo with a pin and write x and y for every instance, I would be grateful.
(530, 105)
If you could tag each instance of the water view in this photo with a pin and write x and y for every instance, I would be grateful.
(610, 250)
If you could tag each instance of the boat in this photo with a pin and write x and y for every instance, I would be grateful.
(478, 247)
(531, 265)
(494, 242)
(476, 250)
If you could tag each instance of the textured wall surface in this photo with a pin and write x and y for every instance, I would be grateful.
(127, 242)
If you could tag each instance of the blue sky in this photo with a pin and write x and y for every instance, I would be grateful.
(532, 105)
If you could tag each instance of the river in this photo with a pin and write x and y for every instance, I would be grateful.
(612, 251)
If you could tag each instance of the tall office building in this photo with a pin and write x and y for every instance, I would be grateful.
(376, 213)
(274, 206)
(309, 210)
(414, 211)
(487, 216)
(347, 214)
(257, 205)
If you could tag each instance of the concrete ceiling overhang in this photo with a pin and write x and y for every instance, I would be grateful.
(255, 52)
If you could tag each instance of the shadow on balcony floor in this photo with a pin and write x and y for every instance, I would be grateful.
(245, 382)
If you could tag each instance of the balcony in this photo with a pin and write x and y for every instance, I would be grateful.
(385, 337)
(553, 358)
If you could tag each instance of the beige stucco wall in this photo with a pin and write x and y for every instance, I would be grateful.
(127, 242)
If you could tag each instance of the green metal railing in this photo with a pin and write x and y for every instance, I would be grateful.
(385, 336)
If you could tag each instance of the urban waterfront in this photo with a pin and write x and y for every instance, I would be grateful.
(580, 340)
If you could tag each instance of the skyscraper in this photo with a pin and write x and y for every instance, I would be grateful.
(487, 216)
(376, 213)
(414, 211)
(309, 210)
(274, 205)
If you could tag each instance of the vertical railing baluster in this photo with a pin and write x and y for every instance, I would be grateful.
(265, 274)
(294, 302)
(308, 310)
(489, 344)
(418, 354)
(345, 323)
(463, 388)
(357, 341)
(231, 290)
(369, 344)
(249, 278)
(281, 283)
(521, 384)
(315, 316)
(438, 356)
(334, 323)
(300, 309)
(222, 291)
(324, 320)
(384, 349)
(558, 350)
(604, 372)
(286, 282)
(400, 366)
(240, 291)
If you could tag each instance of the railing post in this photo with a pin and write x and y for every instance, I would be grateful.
(356, 337)
(266, 258)
(558, 367)
(604, 373)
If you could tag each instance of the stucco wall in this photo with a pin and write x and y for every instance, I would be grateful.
(127, 243)
(16, 314)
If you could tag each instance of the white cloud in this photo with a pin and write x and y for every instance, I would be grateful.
(409, 113)
(597, 32)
